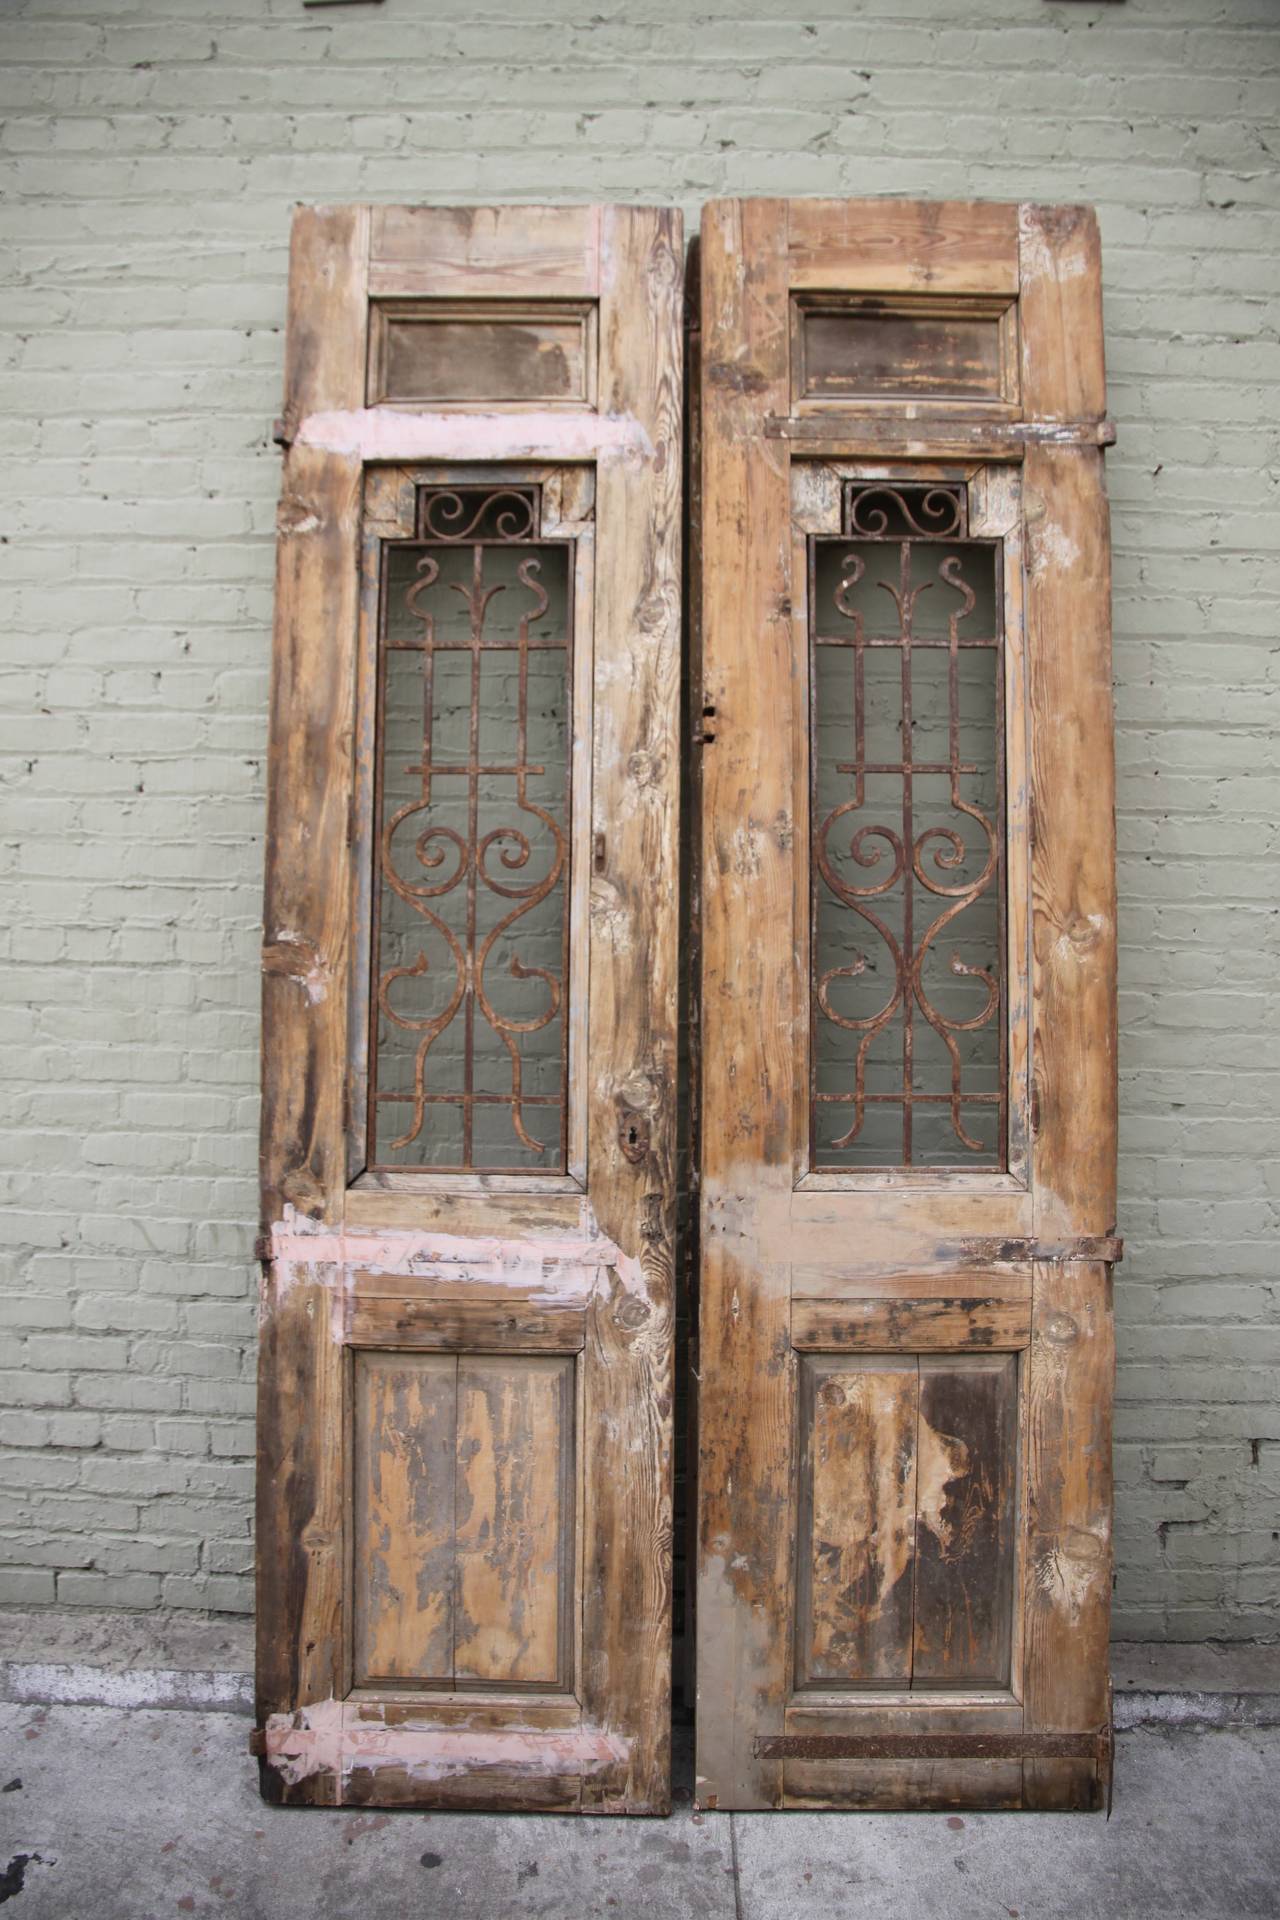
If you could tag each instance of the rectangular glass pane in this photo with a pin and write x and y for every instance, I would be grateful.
(907, 994)
(472, 841)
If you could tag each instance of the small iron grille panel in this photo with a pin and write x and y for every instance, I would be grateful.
(468, 1021)
(907, 899)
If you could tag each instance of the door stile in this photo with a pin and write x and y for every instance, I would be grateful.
(632, 1044)
(301, 1467)
(1074, 959)
(748, 1013)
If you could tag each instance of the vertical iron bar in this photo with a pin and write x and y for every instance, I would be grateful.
(375, 915)
(811, 622)
(906, 613)
(1002, 830)
(473, 841)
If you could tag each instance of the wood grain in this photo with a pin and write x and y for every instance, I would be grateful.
(458, 353)
(558, 1540)
(305, 915)
(479, 252)
(903, 246)
(872, 351)
(965, 1541)
(910, 1325)
(514, 1537)
(1068, 1545)
(301, 1466)
(927, 1273)
(1073, 863)
(857, 1522)
(746, 1402)
(1060, 304)
(432, 1321)
(1068, 1521)
(631, 1043)
(405, 1431)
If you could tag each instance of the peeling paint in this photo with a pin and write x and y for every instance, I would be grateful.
(321, 1739)
(548, 1270)
(1080, 937)
(1052, 542)
(1074, 1568)
(383, 433)
(942, 1459)
(294, 957)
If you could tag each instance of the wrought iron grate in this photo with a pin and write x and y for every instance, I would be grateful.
(907, 894)
(468, 1055)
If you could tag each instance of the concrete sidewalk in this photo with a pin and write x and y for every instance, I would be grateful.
(145, 1814)
(144, 1806)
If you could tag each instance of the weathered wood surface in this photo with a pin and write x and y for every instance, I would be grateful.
(965, 1540)
(887, 1784)
(485, 252)
(1067, 1599)
(916, 432)
(546, 1303)
(746, 1401)
(982, 1296)
(911, 1324)
(305, 916)
(301, 1469)
(904, 246)
(631, 1044)
(958, 351)
(854, 1599)
(458, 352)
(1060, 305)
(431, 1320)
(405, 1434)
(906, 1551)
(1074, 961)
(514, 1520)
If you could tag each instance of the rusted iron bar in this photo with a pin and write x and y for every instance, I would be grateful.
(934, 1746)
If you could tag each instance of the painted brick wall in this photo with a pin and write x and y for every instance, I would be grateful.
(151, 151)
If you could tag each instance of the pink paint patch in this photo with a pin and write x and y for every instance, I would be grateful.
(381, 433)
(556, 1269)
(324, 1742)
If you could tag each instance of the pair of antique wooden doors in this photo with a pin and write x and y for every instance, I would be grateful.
(902, 1037)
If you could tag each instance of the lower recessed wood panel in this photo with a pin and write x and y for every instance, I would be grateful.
(965, 1483)
(513, 1518)
(462, 1517)
(906, 1545)
(857, 1521)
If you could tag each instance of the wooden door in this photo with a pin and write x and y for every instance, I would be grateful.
(469, 1014)
(908, 1016)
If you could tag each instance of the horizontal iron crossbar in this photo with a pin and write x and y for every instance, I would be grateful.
(1102, 1246)
(933, 1746)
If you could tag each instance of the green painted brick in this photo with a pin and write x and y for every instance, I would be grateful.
(152, 155)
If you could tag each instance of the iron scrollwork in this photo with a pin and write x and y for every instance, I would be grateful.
(435, 859)
(914, 864)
